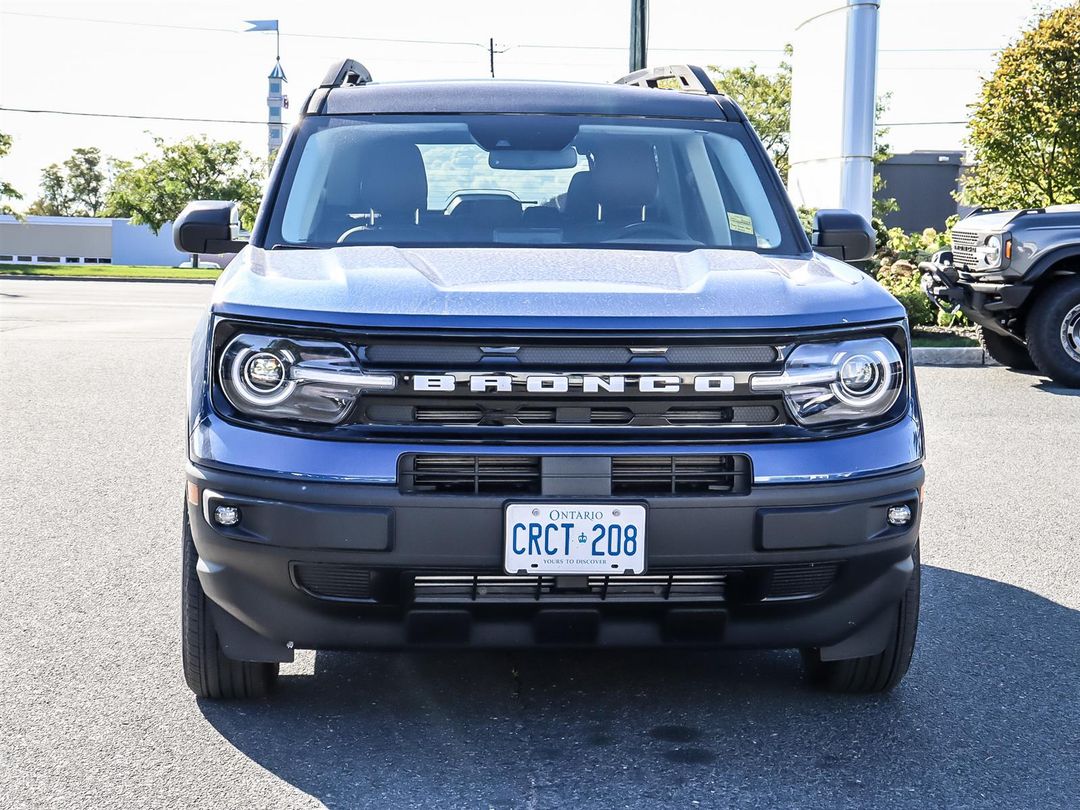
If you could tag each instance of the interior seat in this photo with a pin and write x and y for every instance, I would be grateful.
(617, 191)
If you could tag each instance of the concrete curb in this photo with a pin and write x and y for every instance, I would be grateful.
(6, 277)
(951, 356)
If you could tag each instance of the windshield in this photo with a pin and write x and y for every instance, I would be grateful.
(527, 180)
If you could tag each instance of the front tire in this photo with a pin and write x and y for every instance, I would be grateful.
(1053, 332)
(1006, 350)
(873, 673)
(209, 674)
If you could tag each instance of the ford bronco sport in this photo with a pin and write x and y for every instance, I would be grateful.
(520, 364)
(1017, 275)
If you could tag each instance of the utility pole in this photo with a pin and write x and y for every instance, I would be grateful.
(492, 51)
(639, 32)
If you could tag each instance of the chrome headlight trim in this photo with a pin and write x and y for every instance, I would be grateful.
(814, 389)
(321, 379)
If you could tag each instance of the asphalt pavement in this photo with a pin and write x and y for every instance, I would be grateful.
(94, 711)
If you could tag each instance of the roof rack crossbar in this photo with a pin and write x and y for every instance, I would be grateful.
(691, 78)
(346, 73)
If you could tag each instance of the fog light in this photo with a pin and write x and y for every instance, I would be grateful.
(230, 515)
(897, 515)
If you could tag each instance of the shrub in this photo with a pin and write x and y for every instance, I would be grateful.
(914, 247)
(902, 280)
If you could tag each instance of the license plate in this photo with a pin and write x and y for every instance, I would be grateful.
(574, 538)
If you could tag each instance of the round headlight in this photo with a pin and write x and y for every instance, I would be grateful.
(264, 372)
(863, 379)
(261, 377)
(859, 374)
(993, 250)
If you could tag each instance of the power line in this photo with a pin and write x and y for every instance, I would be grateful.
(201, 28)
(263, 123)
(920, 123)
(484, 45)
(134, 117)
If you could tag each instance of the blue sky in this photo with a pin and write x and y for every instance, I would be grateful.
(191, 59)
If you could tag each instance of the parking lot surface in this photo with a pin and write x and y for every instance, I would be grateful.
(95, 712)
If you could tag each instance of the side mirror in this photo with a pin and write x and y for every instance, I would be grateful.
(843, 235)
(208, 226)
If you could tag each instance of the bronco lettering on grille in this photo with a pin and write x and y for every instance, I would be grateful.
(574, 383)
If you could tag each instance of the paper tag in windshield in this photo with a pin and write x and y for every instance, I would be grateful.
(740, 223)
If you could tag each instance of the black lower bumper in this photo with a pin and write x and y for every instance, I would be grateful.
(991, 304)
(345, 566)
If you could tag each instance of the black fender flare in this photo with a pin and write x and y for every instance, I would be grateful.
(1052, 257)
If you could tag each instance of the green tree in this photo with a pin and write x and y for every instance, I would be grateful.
(154, 188)
(53, 201)
(1025, 128)
(766, 100)
(76, 189)
(7, 191)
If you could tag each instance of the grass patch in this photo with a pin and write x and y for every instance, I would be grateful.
(105, 271)
(939, 340)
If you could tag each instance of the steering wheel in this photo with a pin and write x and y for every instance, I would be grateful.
(635, 229)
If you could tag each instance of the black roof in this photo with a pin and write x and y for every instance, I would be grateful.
(499, 96)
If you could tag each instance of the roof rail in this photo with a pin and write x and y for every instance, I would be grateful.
(691, 78)
(346, 73)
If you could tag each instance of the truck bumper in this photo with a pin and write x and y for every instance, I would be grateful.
(326, 565)
(987, 303)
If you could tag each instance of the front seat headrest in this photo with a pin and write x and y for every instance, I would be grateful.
(393, 181)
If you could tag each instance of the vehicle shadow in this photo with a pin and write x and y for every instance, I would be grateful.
(988, 716)
(1053, 388)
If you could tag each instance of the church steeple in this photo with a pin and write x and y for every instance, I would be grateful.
(276, 101)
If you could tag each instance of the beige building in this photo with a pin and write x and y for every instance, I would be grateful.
(84, 240)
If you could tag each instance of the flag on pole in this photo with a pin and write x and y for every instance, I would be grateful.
(261, 25)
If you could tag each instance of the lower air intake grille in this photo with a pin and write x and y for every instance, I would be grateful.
(800, 581)
(348, 582)
(688, 586)
(470, 475)
(680, 475)
(333, 580)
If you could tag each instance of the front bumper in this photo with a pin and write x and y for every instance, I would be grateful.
(807, 565)
(986, 300)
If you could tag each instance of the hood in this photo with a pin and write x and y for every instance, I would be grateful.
(553, 287)
(996, 221)
(988, 222)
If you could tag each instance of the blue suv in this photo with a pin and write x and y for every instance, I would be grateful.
(530, 364)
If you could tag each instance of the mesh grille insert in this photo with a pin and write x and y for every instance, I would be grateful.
(470, 475)
(680, 475)
(333, 581)
(800, 581)
(688, 586)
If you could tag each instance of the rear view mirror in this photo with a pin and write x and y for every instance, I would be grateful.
(533, 159)
(208, 226)
(843, 235)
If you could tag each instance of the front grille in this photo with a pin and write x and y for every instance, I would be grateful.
(963, 247)
(470, 475)
(689, 586)
(491, 353)
(437, 474)
(349, 582)
(680, 475)
(604, 383)
(333, 581)
(516, 413)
